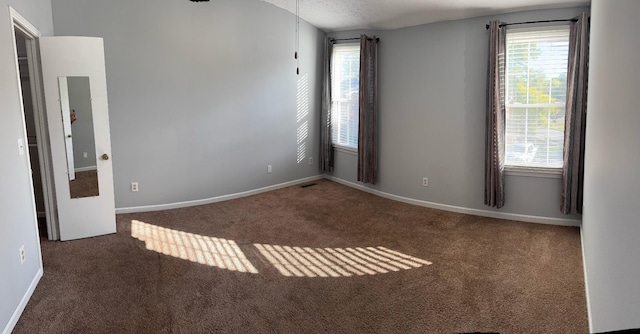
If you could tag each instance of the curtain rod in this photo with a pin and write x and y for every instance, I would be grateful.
(530, 22)
(333, 40)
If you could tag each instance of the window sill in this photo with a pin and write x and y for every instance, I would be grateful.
(553, 173)
(345, 149)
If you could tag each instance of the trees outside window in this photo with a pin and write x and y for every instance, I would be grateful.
(345, 85)
(536, 81)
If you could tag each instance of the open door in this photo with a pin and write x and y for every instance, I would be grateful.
(75, 91)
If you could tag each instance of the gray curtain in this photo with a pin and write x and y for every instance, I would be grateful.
(495, 122)
(575, 119)
(326, 147)
(367, 125)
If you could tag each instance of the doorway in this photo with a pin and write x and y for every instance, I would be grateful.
(35, 124)
(32, 135)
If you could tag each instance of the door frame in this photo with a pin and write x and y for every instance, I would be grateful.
(31, 33)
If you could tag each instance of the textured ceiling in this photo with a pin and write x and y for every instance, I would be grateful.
(341, 15)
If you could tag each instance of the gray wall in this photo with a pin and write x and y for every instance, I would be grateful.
(202, 96)
(82, 129)
(611, 219)
(17, 214)
(432, 87)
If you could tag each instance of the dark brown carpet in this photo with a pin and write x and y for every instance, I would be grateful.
(85, 184)
(487, 275)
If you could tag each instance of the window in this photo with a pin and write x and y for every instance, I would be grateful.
(345, 83)
(536, 81)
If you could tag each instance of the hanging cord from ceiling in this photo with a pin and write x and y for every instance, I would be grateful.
(297, 37)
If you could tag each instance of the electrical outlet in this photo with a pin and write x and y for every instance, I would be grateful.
(269, 169)
(22, 255)
(134, 186)
(310, 160)
(425, 182)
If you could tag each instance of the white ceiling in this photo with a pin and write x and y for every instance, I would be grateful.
(341, 15)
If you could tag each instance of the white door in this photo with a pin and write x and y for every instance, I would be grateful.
(85, 202)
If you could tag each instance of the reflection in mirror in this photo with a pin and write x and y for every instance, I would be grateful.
(77, 121)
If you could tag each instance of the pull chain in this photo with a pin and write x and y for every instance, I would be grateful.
(295, 55)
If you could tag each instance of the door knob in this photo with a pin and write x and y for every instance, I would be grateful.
(105, 157)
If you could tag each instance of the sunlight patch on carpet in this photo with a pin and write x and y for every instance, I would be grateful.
(337, 262)
(215, 252)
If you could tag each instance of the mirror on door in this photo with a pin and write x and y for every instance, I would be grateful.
(77, 119)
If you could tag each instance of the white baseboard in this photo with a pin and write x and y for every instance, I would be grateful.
(177, 205)
(452, 208)
(586, 285)
(23, 303)
(459, 209)
(85, 169)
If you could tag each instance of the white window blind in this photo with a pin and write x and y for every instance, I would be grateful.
(536, 81)
(345, 73)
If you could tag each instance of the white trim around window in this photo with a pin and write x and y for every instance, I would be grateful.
(551, 173)
(345, 149)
